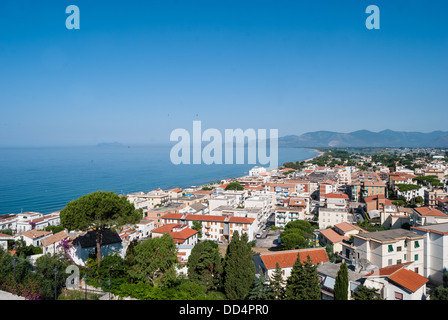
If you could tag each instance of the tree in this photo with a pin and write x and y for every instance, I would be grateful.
(341, 285)
(234, 186)
(238, 268)
(197, 225)
(48, 281)
(366, 293)
(204, 264)
(297, 234)
(277, 284)
(439, 293)
(260, 289)
(303, 283)
(155, 261)
(99, 210)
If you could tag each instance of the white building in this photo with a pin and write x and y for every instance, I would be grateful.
(397, 282)
(435, 250)
(256, 171)
(32, 237)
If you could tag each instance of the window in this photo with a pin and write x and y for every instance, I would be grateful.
(416, 244)
(399, 261)
(391, 248)
(416, 270)
(389, 262)
(398, 249)
(405, 244)
(416, 257)
(398, 296)
(405, 257)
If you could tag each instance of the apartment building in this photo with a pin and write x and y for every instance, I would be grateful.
(386, 248)
(435, 250)
(334, 211)
(397, 282)
(265, 263)
(216, 228)
(149, 200)
(423, 216)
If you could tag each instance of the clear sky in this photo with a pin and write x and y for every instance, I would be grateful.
(136, 70)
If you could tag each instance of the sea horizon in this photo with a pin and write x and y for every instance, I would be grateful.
(45, 179)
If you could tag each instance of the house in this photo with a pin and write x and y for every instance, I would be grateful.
(185, 239)
(174, 193)
(386, 248)
(150, 200)
(265, 263)
(85, 244)
(327, 186)
(195, 208)
(335, 200)
(397, 282)
(33, 237)
(328, 272)
(24, 219)
(8, 221)
(396, 220)
(4, 241)
(51, 243)
(144, 227)
(430, 196)
(423, 216)
(435, 250)
(442, 204)
(256, 171)
(214, 227)
(334, 211)
(337, 234)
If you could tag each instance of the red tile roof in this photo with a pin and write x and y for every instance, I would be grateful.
(346, 227)
(286, 259)
(332, 235)
(387, 271)
(427, 211)
(172, 216)
(207, 217)
(408, 279)
(241, 220)
(336, 196)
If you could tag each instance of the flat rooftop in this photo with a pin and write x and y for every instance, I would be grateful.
(389, 235)
(437, 228)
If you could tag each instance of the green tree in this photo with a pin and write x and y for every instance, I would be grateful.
(366, 293)
(235, 185)
(341, 284)
(293, 239)
(155, 261)
(277, 284)
(238, 268)
(197, 225)
(204, 264)
(99, 210)
(260, 289)
(439, 293)
(47, 279)
(303, 283)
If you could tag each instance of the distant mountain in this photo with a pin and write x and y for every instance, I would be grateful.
(365, 138)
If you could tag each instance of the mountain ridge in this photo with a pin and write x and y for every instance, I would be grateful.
(366, 138)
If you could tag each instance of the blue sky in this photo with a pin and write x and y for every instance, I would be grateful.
(136, 70)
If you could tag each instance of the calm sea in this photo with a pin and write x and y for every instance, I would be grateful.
(45, 179)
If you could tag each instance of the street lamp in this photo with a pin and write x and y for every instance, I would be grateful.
(55, 270)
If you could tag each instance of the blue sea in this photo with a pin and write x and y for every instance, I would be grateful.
(45, 179)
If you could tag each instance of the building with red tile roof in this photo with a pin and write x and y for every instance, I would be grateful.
(266, 262)
(397, 282)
